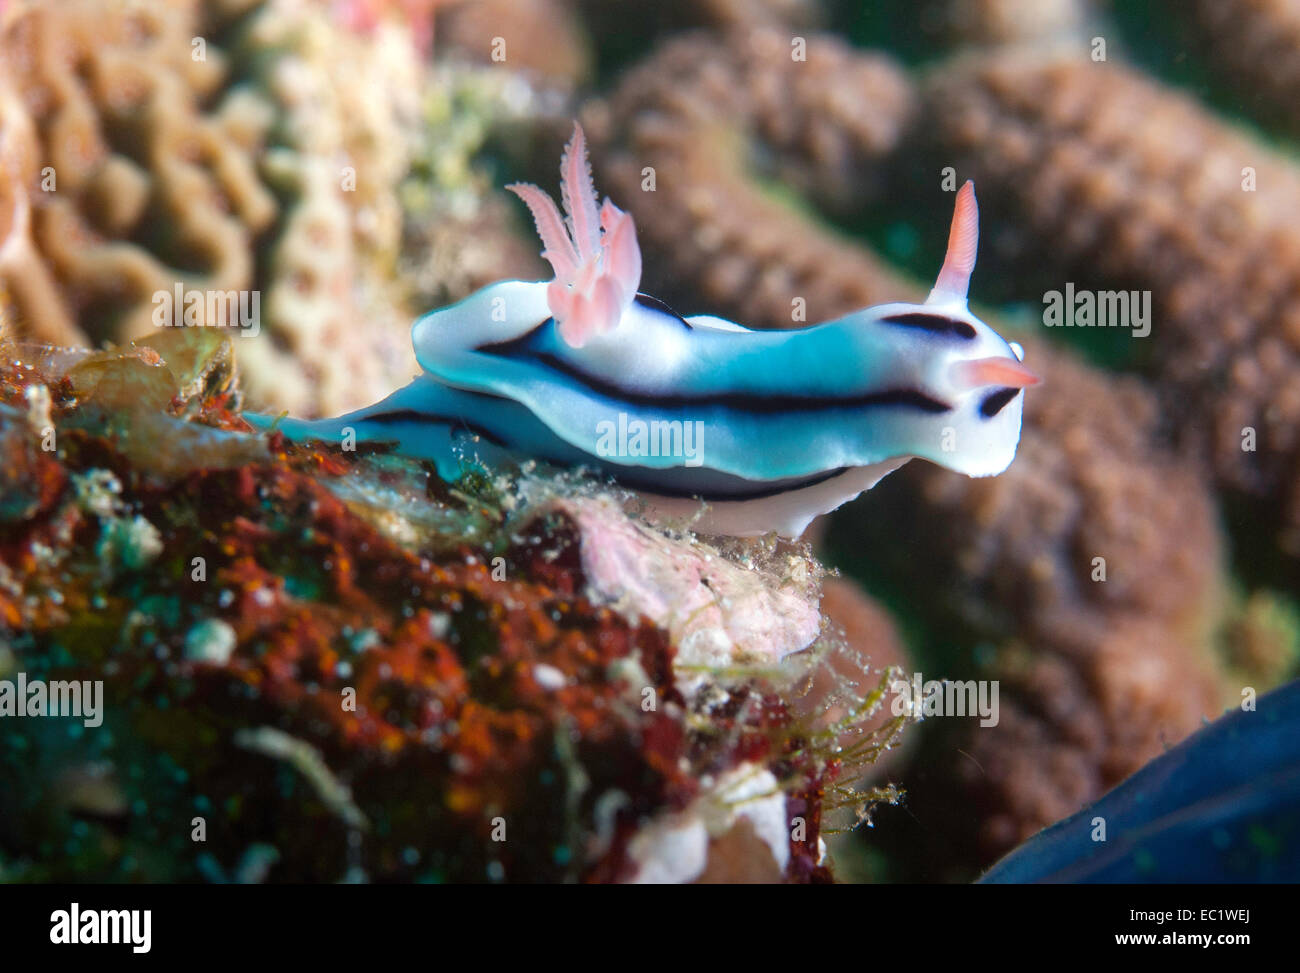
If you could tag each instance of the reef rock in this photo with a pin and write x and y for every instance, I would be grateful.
(322, 665)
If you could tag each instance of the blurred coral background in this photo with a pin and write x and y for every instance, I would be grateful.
(346, 158)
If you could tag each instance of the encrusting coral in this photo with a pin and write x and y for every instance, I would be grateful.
(344, 113)
(1122, 183)
(680, 139)
(347, 668)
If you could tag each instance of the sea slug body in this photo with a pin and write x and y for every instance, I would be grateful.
(742, 432)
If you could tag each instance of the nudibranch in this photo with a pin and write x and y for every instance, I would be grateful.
(740, 432)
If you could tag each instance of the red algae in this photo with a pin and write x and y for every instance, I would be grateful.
(282, 663)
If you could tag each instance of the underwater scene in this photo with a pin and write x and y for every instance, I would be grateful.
(649, 441)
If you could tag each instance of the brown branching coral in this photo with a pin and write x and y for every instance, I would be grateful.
(748, 14)
(653, 19)
(552, 41)
(1087, 483)
(540, 37)
(1126, 184)
(690, 137)
(1256, 43)
(1093, 563)
(1014, 21)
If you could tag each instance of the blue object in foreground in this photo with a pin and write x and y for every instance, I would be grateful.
(1222, 806)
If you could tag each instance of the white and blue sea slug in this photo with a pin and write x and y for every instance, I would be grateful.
(741, 432)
